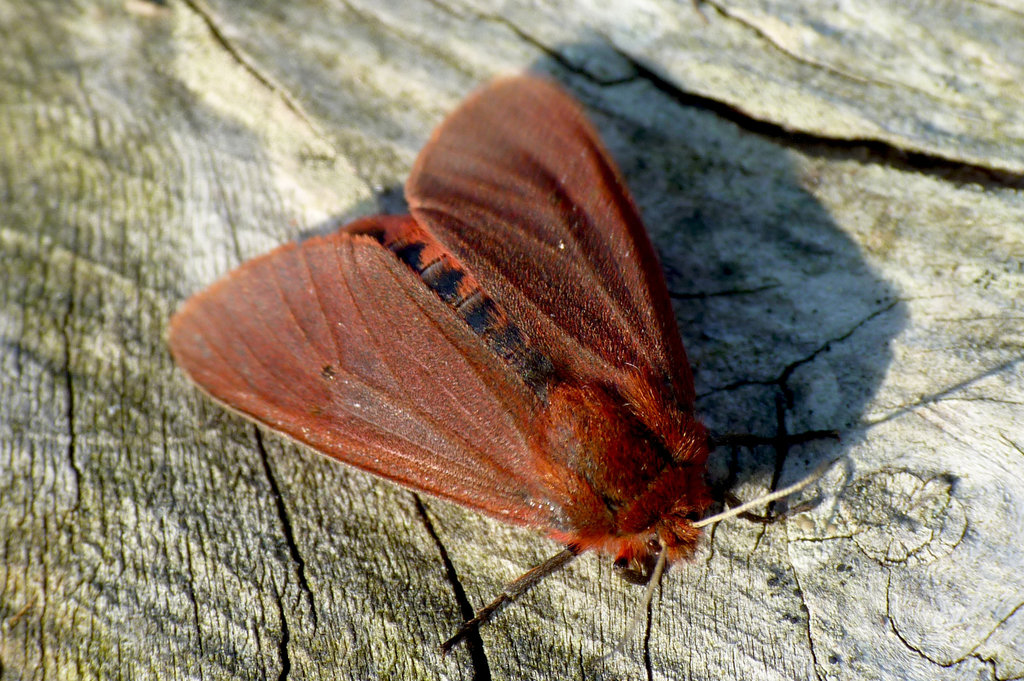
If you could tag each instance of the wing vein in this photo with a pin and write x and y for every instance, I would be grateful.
(399, 385)
(320, 304)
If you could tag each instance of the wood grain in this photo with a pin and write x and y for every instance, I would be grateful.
(835, 196)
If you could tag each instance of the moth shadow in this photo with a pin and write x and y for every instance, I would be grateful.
(388, 201)
(785, 322)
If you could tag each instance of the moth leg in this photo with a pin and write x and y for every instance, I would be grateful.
(785, 440)
(637, 570)
(511, 592)
(730, 500)
(733, 500)
(781, 443)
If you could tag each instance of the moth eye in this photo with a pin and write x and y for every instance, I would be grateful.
(653, 545)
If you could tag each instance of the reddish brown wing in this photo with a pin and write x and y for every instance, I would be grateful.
(517, 185)
(337, 344)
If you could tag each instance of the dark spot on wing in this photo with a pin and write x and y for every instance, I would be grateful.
(479, 311)
(444, 279)
(507, 340)
(459, 290)
(409, 254)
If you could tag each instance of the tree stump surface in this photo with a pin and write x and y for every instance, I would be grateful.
(835, 194)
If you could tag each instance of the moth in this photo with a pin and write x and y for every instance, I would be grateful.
(508, 346)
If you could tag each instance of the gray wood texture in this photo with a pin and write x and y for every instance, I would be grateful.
(834, 189)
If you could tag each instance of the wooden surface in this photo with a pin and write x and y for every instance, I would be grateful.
(836, 197)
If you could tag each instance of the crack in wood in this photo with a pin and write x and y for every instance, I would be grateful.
(781, 381)
(282, 644)
(771, 40)
(972, 653)
(807, 608)
(953, 170)
(725, 293)
(859, 149)
(286, 527)
(214, 24)
(941, 395)
(474, 644)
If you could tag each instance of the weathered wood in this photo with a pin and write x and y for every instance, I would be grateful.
(836, 197)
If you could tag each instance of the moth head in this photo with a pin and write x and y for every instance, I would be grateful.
(636, 568)
(637, 555)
